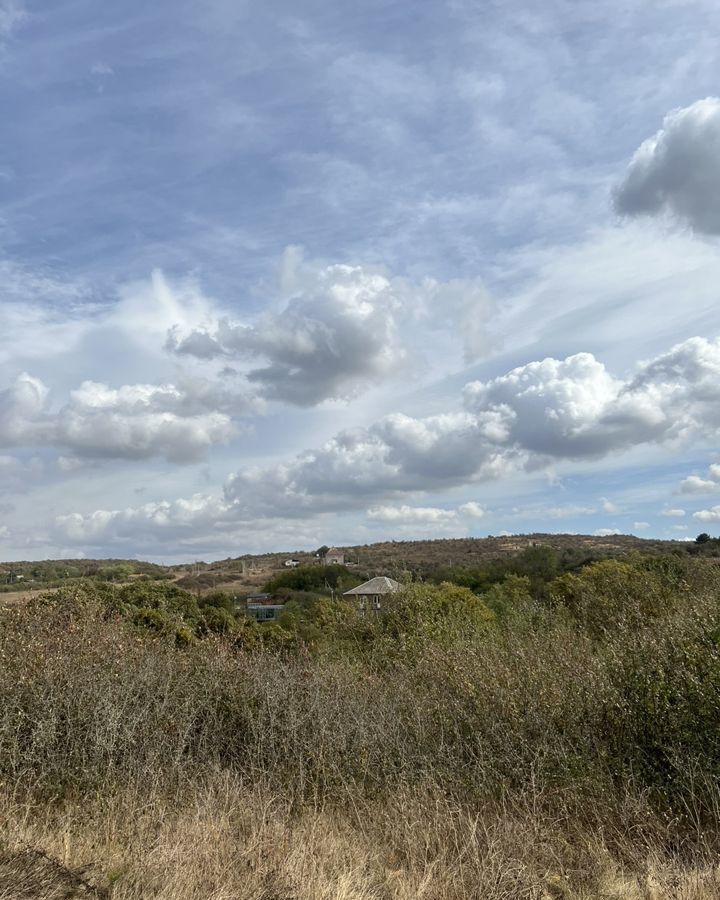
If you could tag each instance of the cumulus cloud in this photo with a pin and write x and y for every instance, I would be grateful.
(169, 519)
(708, 515)
(329, 340)
(677, 171)
(531, 417)
(694, 484)
(133, 421)
(575, 409)
(22, 406)
(338, 329)
(526, 420)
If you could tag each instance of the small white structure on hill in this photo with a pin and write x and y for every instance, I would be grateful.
(369, 595)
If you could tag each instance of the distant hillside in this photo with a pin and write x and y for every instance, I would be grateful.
(424, 556)
(248, 572)
(415, 557)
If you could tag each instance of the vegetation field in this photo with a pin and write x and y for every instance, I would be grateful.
(543, 726)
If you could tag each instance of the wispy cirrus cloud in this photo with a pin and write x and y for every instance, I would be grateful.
(12, 13)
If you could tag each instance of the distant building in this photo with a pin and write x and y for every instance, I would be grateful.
(333, 557)
(262, 607)
(291, 563)
(369, 596)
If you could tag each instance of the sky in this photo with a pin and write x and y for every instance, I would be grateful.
(283, 274)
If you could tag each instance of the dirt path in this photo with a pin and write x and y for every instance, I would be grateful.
(16, 598)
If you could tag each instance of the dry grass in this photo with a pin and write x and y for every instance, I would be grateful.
(223, 840)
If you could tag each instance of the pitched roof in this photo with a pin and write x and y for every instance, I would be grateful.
(380, 585)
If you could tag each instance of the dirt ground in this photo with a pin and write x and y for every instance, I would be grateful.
(15, 598)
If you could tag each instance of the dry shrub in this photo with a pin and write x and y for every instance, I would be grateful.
(526, 762)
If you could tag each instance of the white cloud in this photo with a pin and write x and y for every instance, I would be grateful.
(412, 514)
(134, 421)
(337, 330)
(574, 408)
(606, 532)
(472, 509)
(530, 419)
(171, 519)
(641, 526)
(21, 409)
(406, 515)
(677, 171)
(565, 512)
(102, 69)
(535, 415)
(673, 513)
(608, 506)
(694, 484)
(708, 515)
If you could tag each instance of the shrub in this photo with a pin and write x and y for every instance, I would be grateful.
(314, 579)
(608, 594)
(421, 613)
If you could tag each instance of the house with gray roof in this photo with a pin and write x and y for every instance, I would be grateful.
(369, 596)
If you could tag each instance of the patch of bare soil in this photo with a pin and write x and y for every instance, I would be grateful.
(33, 875)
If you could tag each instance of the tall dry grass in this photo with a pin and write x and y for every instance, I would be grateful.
(223, 839)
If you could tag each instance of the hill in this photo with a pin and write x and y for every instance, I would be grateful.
(404, 559)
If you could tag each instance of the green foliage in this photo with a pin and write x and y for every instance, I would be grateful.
(151, 618)
(116, 572)
(219, 620)
(665, 723)
(612, 593)
(178, 607)
(314, 579)
(510, 598)
(216, 600)
(422, 613)
(538, 563)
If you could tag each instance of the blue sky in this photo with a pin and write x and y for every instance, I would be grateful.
(283, 274)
